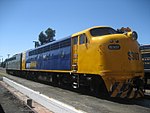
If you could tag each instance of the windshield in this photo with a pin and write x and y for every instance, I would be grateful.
(102, 31)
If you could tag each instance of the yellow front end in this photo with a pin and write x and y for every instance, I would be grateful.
(121, 66)
(117, 59)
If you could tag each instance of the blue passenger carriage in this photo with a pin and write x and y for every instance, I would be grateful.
(52, 56)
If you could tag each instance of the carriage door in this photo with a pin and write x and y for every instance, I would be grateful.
(75, 53)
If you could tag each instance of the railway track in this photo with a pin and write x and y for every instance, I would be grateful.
(86, 102)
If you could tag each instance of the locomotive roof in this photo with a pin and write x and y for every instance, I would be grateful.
(50, 43)
(83, 31)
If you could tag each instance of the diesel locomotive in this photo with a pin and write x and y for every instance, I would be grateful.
(106, 61)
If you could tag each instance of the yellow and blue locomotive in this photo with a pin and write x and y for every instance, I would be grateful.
(106, 61)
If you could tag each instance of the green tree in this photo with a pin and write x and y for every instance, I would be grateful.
(42, 38)
(47, 37)
(50, 34)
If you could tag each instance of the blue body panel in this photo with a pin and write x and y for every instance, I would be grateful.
(58, 58)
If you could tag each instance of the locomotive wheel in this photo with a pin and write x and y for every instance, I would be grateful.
(94, 87)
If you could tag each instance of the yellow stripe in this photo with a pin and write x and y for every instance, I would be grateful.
(124, 94)
(62, 71)
(141, 92)
(116, 91)
(138, 95)
(132, 94)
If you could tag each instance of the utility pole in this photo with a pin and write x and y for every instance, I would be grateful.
(36, 44)
(8, 55)
(1, 60)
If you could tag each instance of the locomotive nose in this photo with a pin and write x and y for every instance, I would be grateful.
(122, 63)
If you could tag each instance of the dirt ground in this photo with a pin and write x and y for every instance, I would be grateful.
(10, 104)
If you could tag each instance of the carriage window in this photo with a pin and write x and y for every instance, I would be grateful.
(75, 40)
(83, 39)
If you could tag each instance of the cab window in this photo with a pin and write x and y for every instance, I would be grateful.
(75, 40)
(102, 31)
(83, 39)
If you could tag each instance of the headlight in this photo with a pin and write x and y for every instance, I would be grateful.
(111, 41)
(134, 35)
